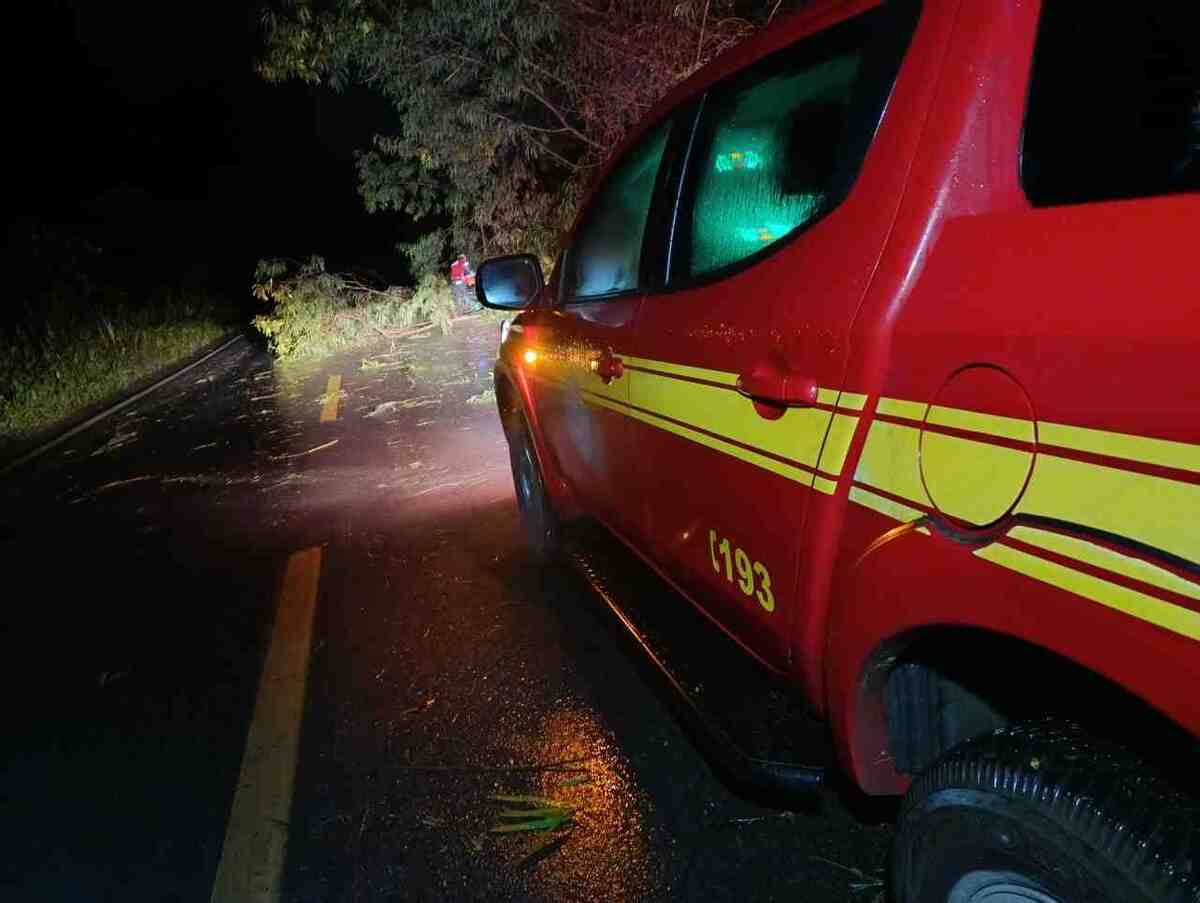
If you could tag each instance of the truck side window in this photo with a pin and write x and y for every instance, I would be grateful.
(606, 254)
(1114, 103)
(768, 154)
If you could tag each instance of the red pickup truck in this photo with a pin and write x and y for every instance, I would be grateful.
(875, 341)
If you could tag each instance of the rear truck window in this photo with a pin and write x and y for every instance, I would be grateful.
(779, 144)
(770, 160)
(1114, 102)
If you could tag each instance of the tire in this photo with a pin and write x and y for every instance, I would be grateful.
(1042, 814)
(538, 518)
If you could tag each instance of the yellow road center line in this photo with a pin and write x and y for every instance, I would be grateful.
(332, 393)
(256, 837)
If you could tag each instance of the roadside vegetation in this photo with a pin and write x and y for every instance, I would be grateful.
(70, 337)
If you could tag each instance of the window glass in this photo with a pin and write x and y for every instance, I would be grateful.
(606, 255)
(1114, 103)
(770, 156)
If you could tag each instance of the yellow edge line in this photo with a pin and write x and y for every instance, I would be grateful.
(252, 857)
(796, 474)
(333, 393)
(1170, 617)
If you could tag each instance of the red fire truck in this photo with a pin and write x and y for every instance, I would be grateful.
(877, 342)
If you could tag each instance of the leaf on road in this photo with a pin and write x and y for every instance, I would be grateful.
(539, 814)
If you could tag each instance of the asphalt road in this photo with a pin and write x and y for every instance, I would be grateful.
(268, 636)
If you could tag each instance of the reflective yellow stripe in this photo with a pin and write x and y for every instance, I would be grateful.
(1141, 606)
(1162, 452)
(1147, 450)
(884, 506)
(616, 389)
(991, 424)
(797, 474)
(976, 481)
(852, 401)
(837, 443)
(1101, 557)
(714, 376)
(1162, 513)
(829, 487)
(827, 396)
(796, 435)
(894, 407)
(890, 461)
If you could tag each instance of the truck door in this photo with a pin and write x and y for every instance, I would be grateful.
(580, 376)
(739, 356)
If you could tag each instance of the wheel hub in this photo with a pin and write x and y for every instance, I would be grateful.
(998, 887)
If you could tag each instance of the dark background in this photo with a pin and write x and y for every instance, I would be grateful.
(143, 130)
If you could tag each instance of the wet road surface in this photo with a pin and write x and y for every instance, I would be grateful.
(280, 613)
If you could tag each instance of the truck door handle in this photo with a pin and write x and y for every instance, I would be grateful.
(608, 367)
(767, 382)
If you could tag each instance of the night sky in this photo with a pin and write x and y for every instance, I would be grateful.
(145, 125)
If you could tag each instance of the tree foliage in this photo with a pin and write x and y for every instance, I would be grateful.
(503, 109)
(309, 311)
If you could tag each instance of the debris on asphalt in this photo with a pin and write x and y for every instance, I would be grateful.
(377, 365)
(419, 708)
(865, 882)
(315, 448)
(118, 440)
(537, 813)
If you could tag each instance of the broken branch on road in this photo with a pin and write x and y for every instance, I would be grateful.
(315, 448)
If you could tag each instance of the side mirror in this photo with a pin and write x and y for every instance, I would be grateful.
(509, 283)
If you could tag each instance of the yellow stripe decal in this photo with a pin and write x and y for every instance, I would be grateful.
(617, 389)
(1162, 452)
(852, 401)
(884, 506)
(837, 443)
(894, 407)
(1178, 620)
(890, 461)
(972, 480)
(1159, 512)
(797, 474)
(829, 487)
(827, 396)
(797, 435)
(712, 376)
(991, 424)
(1101, 557)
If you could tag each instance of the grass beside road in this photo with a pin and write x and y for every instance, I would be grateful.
(61, 356)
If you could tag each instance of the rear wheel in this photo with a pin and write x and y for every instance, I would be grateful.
(1042, 814)
(538, 519)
